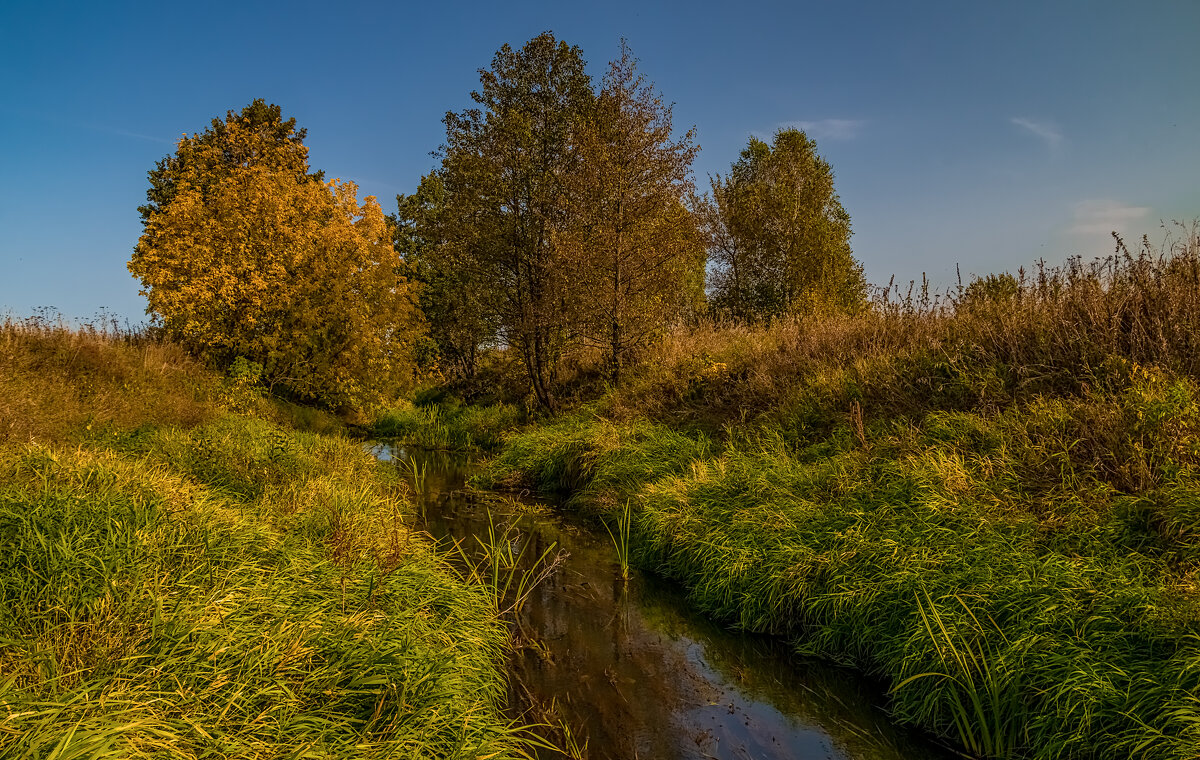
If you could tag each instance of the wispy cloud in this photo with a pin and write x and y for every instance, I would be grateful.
(1045, 131)
(1100, 217)
(88, 125)
(829, 129)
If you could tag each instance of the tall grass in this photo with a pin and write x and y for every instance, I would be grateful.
(57, 381)
(178, 580)
(991, 500)
(835, 545)
(984, 697)
(996, 341)
(443, 426)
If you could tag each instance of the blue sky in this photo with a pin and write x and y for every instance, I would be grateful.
(984, 135)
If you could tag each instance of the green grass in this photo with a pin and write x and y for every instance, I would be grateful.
(245, 608)
(448, 426)
(591, 460)
(217, 584)
(990, 497)
(1024, 577)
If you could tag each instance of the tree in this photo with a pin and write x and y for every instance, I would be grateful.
(250, 256)
(779, 237)
(451, 299)
(630, 241)
(257, 136)
(503, 169)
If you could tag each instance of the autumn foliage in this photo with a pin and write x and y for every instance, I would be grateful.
(252, 257)
(560, 237)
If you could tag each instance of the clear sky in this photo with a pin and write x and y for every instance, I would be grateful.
(982, 134)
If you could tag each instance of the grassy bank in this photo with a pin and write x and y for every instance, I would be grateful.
(994, 504)
(187, 574)
(447, 425)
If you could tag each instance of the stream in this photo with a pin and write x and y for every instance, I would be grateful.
(631, 672)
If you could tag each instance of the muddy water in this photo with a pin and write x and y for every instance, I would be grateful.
(632, 672)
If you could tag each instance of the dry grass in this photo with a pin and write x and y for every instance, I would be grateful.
(1060, 331)
(60, 381)
(56, 380)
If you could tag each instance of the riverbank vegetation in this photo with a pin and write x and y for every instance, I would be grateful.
(187, 572)
(448, 425)
(985, 495)
(990, 502)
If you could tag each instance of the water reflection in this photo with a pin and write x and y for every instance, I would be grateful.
(631, 669)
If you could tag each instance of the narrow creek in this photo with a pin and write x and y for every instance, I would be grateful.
(633, 672)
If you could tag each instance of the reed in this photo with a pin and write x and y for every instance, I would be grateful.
(620, 540)
(417, 472)
(507, 570)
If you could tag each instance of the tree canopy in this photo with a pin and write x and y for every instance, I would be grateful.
(503, 166)
(561, 228)
(451, 295)
(780, 239)
(248, 255)
(632, 245)
(557, 219)
(258, 135)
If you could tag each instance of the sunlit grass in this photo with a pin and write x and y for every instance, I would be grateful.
(453, 427)
(211, 584)
(1023, 576)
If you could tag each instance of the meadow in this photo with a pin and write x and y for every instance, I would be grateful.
(991, 499)
(191, 569)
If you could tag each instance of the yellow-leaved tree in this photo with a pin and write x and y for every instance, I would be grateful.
(246, 255)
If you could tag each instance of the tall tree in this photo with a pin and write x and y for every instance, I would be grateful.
(503, 169)
(631, 243)
(256, 259)
(779, 236)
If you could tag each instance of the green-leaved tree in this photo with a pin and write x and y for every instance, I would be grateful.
(779, 236)
(503, 167)
(452, 295)
(630, 241)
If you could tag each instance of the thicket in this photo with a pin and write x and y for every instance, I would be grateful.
(991, 501)
(186, 574)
